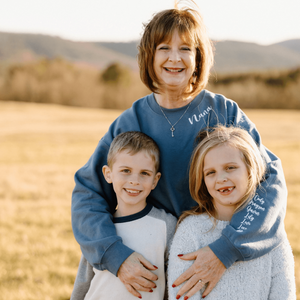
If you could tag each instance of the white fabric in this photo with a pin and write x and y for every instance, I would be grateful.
(268, 277)
(147, 236)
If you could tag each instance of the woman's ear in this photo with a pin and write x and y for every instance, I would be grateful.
(155, 180)
(107, 173)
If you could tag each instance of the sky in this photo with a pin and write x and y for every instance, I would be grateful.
(259, 21)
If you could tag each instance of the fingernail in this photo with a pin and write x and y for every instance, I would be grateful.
(178, 296)
(155, 287)
(140, 297)
(150, 291)
(203, 297)
(180, 255)
(186, 297)
(155, 267)
(173, 285)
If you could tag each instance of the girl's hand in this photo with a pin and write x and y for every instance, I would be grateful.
(135, 274)
(207, 268)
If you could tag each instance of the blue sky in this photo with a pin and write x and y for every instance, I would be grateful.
(259, 21)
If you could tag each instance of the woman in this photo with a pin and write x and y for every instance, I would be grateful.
(175, 57)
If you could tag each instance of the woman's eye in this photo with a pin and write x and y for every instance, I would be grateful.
(163, 48)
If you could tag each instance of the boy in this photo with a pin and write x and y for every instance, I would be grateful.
(132, 169)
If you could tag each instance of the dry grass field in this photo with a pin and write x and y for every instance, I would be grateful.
(41, 147)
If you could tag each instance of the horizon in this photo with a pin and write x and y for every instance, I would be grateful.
(137, 40)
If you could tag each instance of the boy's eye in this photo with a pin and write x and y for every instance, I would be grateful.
(125, 171)
(145, 173)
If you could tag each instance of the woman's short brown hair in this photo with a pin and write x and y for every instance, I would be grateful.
(191, 28)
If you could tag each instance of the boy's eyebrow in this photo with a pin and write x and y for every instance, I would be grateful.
(121, 167)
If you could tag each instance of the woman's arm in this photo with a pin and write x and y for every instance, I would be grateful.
(256, 229)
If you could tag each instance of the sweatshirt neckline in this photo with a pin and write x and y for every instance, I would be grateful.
(134, 217)
(156, 108)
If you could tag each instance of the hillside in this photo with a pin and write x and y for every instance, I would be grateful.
(16, 47)
(230, 56)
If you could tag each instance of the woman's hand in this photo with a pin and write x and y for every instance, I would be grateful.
(207, 268)
(135, 274)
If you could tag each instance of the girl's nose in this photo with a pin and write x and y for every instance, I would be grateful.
(222, 178)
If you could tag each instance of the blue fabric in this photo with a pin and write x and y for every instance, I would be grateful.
(252, 232)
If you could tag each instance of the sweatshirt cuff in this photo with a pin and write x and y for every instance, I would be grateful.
(114, 256)
(225, 251)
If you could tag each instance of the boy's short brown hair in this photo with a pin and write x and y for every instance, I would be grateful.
(134, 142)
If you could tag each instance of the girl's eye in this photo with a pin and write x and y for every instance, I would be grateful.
(186, 49)
(231, 168)
(210, 173)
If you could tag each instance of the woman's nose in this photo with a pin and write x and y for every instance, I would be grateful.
(174, 56)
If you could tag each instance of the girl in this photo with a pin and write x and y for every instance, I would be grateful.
(226, 169)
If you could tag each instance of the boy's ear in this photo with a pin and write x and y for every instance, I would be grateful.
(155, 181)
(107, 173)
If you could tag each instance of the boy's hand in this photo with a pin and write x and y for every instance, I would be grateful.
(207, 268)
(135, 274)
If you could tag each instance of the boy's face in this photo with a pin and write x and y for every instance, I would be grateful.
(133, 177)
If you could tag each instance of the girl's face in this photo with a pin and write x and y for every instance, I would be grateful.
(226, 178)
(174, 63)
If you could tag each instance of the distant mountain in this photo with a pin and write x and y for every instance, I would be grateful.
(230, 56)
(15, 47)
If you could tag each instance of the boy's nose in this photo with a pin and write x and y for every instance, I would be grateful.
(134, 180)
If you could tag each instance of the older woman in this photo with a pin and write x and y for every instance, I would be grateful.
(175, 57)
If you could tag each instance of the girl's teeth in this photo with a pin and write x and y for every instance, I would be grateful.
(226, 190)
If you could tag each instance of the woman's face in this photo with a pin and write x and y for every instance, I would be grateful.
(174, 63)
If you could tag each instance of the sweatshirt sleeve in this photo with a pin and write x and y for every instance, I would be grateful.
(93, 204)
(257, 228)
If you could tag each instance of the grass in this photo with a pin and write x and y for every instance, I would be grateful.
(42, 146)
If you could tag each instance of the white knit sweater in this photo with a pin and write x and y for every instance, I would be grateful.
(268, 277)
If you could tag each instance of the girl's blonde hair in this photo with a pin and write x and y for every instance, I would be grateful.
(191, 28)
(234, 137)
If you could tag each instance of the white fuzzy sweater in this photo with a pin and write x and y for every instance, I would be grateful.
(268, 277)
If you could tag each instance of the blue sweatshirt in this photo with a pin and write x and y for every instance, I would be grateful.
(252, 232)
